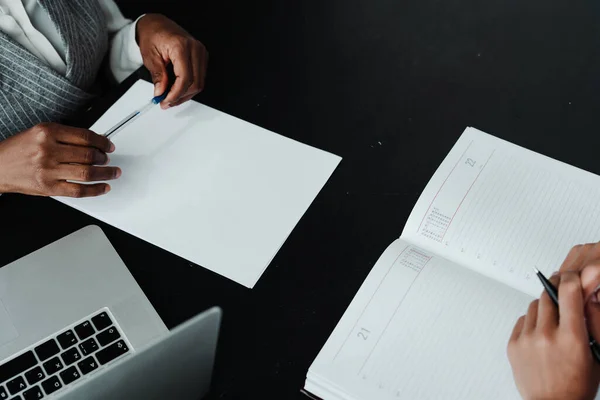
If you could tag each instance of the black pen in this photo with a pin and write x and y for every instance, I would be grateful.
(553, 293)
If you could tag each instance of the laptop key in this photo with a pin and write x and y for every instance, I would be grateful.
(16, 385)
(51, 384)
(52, 366)
(70, 356)
(3, 394)
(101, 321)
(17, 397)
(87, 365)
(34, 393)
(66, 339)
(35, 375)
(46, 350)
(84, 330)
(108, 336)
(16, 366)
(111, 352)
(70, 375)
(88, 347)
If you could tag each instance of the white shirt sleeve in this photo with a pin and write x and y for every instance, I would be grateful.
(124, 53)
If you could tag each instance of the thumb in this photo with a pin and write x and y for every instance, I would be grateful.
(590, 282)
(158, 72)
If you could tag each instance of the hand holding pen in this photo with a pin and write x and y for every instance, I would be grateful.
(552, 291)
(551, 349)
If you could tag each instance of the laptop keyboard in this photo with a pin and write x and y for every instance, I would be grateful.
(63, 358)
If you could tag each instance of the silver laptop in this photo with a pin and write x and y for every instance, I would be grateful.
(74, 324)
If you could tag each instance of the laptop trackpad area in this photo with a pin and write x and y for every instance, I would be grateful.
(8, 332)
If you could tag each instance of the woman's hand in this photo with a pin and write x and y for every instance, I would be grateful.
(549, 349)
(161, 42)
(585, 259)
(40, 161)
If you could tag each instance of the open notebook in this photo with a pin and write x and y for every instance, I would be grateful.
(433, 317)
(209, 187)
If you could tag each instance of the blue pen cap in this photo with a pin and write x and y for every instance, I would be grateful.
(160, 98)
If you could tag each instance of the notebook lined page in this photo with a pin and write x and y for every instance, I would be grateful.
(501, 210)
(421, 327)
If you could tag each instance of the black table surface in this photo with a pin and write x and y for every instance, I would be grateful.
(389, 86)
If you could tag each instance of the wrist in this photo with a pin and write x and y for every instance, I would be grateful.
(137, 28)
(142, 24)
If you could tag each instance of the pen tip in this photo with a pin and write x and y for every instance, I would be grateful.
(536, 270)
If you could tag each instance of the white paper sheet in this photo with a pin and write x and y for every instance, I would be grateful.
(204, 185)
